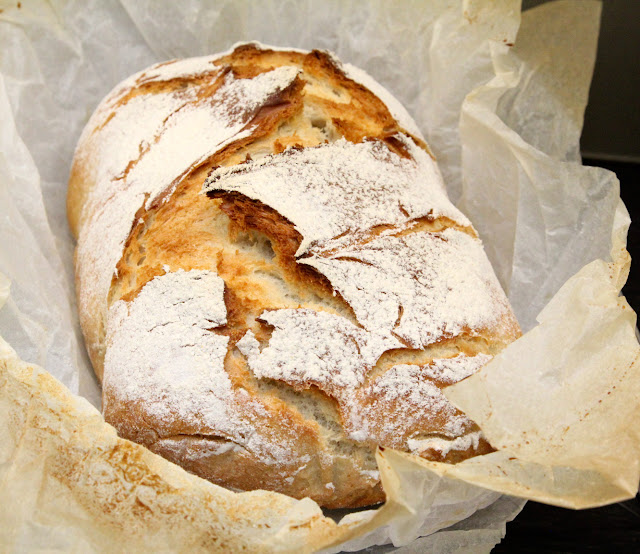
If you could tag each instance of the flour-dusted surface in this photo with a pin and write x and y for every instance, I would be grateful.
(163, 71)
(160, 348)
(315, 348)
(175, 69)
(270, 328)
(451, 370)
(420, 286)
(148, 144)
(405, 404)
(342, 187)
(163, 350)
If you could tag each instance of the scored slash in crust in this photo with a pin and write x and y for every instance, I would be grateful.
(271, 279)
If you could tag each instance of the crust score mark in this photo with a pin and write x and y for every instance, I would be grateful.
(290, 263)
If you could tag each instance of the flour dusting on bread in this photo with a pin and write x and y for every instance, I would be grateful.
(391, 409)
(335, 188)
(420, 287)
(272, 275)
(310, 348)
(163, 350)
(150, 142)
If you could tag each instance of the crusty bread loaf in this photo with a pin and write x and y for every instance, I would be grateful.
(271, 279)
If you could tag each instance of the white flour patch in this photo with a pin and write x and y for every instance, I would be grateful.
(161, 352)
(178, 69)
(452, 370)
(421, 286)
(183, 131)
(341, 187)
(197, 448)
(392, 408)
(319, 348)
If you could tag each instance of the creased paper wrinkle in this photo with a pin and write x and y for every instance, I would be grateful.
(504, 124)
(571, 412)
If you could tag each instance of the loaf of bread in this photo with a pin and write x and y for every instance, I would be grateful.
(271, 279)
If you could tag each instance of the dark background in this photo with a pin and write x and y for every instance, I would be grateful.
(610, 139)
(612, 119)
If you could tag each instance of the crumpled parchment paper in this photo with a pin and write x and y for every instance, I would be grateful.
(504, 123)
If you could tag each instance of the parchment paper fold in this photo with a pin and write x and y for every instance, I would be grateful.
(504, 122)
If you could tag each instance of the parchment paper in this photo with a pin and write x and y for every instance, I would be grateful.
(504, 123)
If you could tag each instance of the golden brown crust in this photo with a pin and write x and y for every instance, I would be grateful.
(253, 249)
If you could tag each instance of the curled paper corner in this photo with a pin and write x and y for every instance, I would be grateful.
(563, 424)
(428, 501)
(438, 502)
(619, 253)
(68, 482)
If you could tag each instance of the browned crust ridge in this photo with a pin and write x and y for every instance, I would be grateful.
(251, 247)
